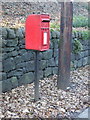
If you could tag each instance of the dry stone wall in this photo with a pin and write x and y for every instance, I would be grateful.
(18, 63)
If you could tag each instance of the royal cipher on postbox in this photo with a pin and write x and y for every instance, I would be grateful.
(37, 32)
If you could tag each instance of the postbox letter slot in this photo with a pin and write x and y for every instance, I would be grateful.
(45, 28)
(45, 20)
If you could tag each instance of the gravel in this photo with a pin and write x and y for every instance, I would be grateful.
(54, 103)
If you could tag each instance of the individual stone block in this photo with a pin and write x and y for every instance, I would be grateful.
(26, 57)
(17, 59)
(21, 46)
(56, 52)
(48, 72)
(40, 75)
(26, 78)
(30, 66)
(55, 70)
(43, 64)
(40, 56)
(32, 54)
(85, 61)
(72, 56)
(88, 52)
(1, 66)
(75, 64)
(0, 75)
(3, 32)
(82, 54)
(12, 42)
(22, 51)
(4, 43)
(3, 76)
(77, 56)
(21, 65)
(0, 87)
(56, 61)
(88, 47)
(8, 49)
(8, 64)
(86, 42)
(16, 73)
(6, 85)
(47, 55)
(88, 60)
(51, 62)
(19, 33)
(21, 42)
(80, 63)
(13, 54)
(84, 47)
(14, 82)
(11, 33)
(4, 56)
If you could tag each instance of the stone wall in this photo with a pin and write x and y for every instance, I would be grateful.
(18, 63)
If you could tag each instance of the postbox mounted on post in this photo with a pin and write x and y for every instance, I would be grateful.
(37, 37)
(37, 32)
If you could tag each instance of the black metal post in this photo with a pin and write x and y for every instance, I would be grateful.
(36, 81)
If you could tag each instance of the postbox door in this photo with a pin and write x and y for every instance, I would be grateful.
(45, 38)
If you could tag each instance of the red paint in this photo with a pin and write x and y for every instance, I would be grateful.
(37, 32)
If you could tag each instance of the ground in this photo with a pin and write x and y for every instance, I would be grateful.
(54, 102)
(13, 14)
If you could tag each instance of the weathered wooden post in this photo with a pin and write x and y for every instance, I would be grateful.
(65, 45)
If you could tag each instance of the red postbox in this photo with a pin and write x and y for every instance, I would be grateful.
(37, 32)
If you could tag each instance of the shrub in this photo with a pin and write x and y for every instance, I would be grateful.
(77, 46)
(80, 21)
(55, 26)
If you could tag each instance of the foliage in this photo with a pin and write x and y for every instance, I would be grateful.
(85, 35)
(55, 26)
(80, 21)
(77, 46)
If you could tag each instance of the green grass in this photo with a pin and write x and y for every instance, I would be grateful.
(54, 26)
(80, 21)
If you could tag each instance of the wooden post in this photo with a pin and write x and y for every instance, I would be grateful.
(65, 45)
